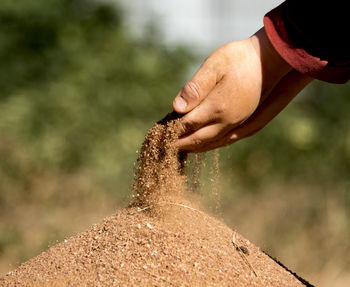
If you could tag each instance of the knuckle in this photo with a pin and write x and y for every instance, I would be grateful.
(182, 128)
(220, 108)
(196, 140)
(191, 91)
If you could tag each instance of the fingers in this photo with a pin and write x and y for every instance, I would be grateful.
(222, 105)
(289, 86)
(203, 139)
(196, 89)
(202, 115)
(218, 134)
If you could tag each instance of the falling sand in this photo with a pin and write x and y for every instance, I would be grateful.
(161, 239)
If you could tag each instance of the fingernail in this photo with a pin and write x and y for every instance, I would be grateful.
(180, 104)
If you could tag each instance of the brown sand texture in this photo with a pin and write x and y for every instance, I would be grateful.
(161, 239)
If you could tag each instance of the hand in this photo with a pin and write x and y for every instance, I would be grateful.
(226, 91)
(287, 88)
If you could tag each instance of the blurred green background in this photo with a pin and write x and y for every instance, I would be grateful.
(78, 93)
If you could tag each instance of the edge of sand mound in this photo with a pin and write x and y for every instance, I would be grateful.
(135, 247)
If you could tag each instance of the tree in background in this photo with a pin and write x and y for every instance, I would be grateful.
(78, 93)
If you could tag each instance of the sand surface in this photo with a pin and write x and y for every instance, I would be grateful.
(185, 247)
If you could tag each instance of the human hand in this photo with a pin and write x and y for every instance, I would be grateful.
(281, 95)
(227, 89)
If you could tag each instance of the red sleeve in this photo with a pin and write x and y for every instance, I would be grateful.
(312, 36)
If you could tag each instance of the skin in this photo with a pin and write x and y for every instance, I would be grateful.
(238, 89)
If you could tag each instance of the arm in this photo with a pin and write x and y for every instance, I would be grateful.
(244, 85)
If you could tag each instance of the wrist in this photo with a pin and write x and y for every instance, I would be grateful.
(273, 66)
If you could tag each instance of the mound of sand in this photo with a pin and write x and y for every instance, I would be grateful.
(160, 240)
(136, 248)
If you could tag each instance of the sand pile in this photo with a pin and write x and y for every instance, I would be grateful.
(160, 240)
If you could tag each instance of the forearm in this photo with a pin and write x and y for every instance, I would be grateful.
(273, 66)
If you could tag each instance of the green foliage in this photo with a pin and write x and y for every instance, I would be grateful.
(78, 94)
(75, 84)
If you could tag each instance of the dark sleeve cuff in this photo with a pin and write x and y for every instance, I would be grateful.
(278, 29)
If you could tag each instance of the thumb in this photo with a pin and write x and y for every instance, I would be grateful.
(197, 89)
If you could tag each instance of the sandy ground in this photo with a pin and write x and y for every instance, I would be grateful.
(136, 247)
